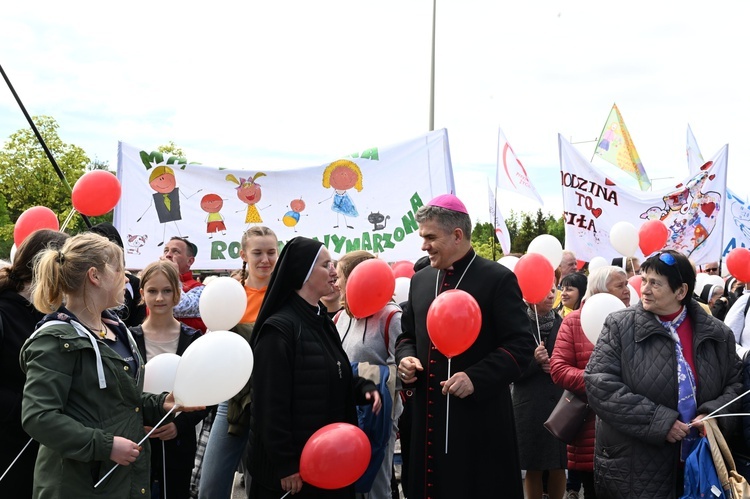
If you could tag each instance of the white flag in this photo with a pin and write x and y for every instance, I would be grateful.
(694, 156)
(511, 175)
(501, 230)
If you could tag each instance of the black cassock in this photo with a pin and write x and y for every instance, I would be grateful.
(482, 459)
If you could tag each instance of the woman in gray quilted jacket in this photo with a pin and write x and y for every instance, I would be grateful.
(656, 367)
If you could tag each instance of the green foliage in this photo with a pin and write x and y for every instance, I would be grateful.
(172, 149)
(27, 178)
(5, 245)
(522, 227)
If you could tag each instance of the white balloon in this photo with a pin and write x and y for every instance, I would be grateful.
(401, 293)
(508, 262)
(597, 262)
(634, 297)
(714, 280)
(222, 303)
(13, 250)
(214, 368)
(595, 310)
(624, 238)
(700, 281)
(160, 373)
(549, 247)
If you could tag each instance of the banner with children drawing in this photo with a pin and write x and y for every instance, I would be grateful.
(736, 223)
(366, 200)
(692, 210)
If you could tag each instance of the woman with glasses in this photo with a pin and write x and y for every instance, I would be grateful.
(657, 367)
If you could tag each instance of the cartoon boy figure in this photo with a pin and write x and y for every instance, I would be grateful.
(342, 175)
(166, 197)
(212, 204)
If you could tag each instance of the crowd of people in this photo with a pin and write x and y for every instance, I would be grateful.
(77, 329)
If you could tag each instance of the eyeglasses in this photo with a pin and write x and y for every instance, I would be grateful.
(670, 260)
(711, 269)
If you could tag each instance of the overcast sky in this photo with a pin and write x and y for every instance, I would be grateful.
(298, 83)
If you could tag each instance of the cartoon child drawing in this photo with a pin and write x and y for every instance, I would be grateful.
(608, 137)
(212, 204)
(291, 218)
(342, 175)
(249, 192)
(166, 198)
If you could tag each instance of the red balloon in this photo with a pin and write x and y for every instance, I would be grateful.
(403, 269)
(96, 193)
(535, 276)
(738, 264)
(652, 236)
(636, 282)
(35, 218)
(453, 322)
(369, 287)
(335, 456)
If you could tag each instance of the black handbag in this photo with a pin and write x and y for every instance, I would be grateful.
(568, 416)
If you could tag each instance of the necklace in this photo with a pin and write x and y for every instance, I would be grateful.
(437, 277)
(101, 332)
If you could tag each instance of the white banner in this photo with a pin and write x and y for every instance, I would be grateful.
(363, 201)
(692, 210)
(511, 175)
(736, 224)
(496, 218)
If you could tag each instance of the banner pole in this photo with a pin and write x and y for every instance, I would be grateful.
(41, 141)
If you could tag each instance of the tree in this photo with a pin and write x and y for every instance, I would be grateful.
(171, 148)
(5, 245)
(28, 179)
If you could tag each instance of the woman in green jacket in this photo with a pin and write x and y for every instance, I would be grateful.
(83, 398)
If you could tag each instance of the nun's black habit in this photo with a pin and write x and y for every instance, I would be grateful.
(302, 379)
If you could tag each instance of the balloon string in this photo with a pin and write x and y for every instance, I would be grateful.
(447, 408)
(16, 459)
(711, 416)
(164, 467)
(726, 415)
(139, 443)
(538, 336)
(68, 219)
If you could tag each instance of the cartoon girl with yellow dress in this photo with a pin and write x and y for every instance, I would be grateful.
(249, 192)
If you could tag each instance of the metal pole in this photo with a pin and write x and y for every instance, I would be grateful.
(432, 70)
(41, 141)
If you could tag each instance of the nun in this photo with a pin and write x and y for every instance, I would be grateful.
(302, 379)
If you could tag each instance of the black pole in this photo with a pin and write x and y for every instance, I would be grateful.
(41, 141)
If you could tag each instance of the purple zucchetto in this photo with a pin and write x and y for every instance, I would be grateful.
(449, 202)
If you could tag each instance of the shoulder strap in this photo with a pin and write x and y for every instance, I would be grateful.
(336, 317)
(387, 331)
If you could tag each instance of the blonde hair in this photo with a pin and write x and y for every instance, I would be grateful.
(169, 271)
(346, 164)
(254, 231)
(60, 272)
(347, 263)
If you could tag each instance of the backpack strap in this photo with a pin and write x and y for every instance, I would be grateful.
(387, 331)
(336, 317)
